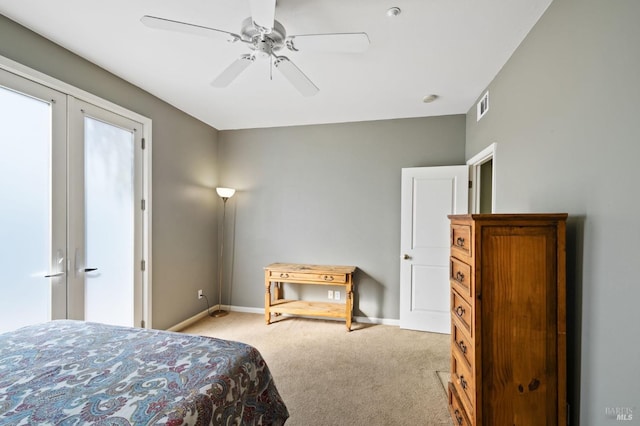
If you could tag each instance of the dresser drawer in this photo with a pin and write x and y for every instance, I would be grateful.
(460, 277)
(461, 310)
(462, 344)
(305, 276)
(458, 413)
(463, 381)
(461, 239)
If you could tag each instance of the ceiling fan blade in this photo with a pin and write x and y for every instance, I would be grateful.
(338, 42)
(232, 71)
(170, 25)
(263, 13)
(296, 77)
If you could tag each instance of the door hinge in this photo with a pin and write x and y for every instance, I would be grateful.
(143, 204)
(470, 184)
(144, 143)
(143, 265)
(142, 324)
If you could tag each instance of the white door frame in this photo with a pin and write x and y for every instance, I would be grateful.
(146, 131)
(475, 163)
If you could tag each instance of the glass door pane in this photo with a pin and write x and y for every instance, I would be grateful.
(32, 198)
(109, 222)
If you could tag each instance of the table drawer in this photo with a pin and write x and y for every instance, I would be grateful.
(456, 409)
(318, 278)
(460, 277)
(462, 344)
(461, 310)
(463, 380)
(461, 239)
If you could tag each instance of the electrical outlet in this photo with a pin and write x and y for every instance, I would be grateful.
(199, 294)
(336, 295)
(330, 294)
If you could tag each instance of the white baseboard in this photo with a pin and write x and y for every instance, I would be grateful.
(186, 323)
(363, 320)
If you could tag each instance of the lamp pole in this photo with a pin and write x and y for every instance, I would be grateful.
(225, 194)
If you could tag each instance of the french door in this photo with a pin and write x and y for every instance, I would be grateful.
(33, 203)
(105, 215)
(71, 187)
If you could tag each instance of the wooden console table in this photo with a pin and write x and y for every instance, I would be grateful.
(279, 273)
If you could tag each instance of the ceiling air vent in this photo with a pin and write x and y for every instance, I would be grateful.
(483, 105)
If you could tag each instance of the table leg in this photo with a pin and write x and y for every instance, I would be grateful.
(349, 302)
(267, 299)
(278, 291)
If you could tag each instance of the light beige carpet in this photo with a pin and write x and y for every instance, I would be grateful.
(373, 375)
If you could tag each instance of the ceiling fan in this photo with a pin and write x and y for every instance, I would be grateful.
(265, 37)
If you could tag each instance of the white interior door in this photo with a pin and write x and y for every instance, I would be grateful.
(32, 203)
(106, 212)
(429, 194)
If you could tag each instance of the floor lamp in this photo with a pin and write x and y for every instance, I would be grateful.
(225, 194)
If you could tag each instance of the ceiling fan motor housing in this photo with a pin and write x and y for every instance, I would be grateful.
(262, 42)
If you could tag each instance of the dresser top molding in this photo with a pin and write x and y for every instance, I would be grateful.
(510, 216)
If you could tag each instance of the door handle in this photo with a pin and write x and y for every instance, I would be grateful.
(406, 257)
(60, 261)
(90, 269)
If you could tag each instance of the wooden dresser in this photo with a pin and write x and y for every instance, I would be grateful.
(508, 334)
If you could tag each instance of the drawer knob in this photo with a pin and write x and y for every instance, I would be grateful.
(328, 277)
(460, 311)
(460, 242)
(462, 346)
(459, 277)
(458, 416)
(284, 275)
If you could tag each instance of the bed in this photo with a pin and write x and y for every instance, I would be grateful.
(72, 372)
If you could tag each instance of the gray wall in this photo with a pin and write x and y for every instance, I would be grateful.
(327, 194)
(184, 173)
(564, 112)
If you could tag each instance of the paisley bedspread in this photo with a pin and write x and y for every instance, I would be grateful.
(74, 373)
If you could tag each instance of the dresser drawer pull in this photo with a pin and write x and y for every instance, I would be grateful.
(462, 346)
(284, 275)
(460, 242)
(463, 383)
(460, 311)
(458, 416)
(328, 277)
(459, 277)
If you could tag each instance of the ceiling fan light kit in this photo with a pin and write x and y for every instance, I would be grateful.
(265, 37)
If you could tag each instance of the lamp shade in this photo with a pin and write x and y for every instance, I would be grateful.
(225, 192)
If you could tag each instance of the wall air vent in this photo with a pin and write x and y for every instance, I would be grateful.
(483, 105)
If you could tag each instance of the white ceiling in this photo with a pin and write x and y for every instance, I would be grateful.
(452, 48)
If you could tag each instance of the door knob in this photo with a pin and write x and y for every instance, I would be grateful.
(406, 257)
